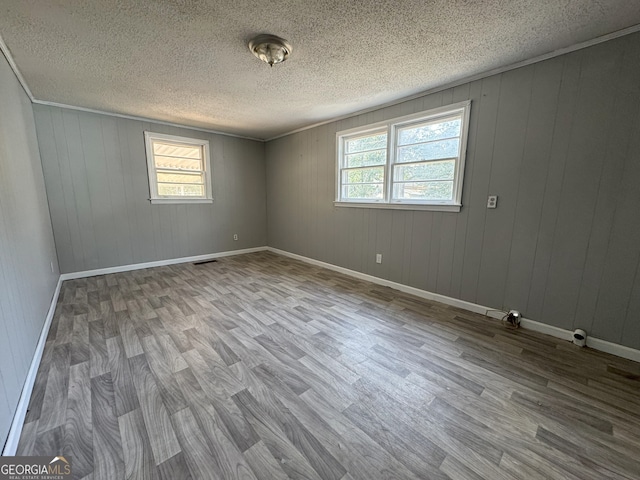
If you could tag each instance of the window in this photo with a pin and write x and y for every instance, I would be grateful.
(179, 169)
(412, 162)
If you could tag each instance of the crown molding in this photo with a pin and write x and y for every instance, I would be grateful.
(14, 67)
(142, 119)
(7, 54)
(473, 78)
(462, 81)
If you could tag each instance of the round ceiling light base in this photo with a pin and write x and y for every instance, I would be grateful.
(270, 49)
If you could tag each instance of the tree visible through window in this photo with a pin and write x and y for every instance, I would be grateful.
(415, 160)
(364, 164)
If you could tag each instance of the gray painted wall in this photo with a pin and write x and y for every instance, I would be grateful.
(558, 141)
(96, 178)
(27, 283)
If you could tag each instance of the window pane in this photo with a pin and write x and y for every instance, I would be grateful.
(193, 190)
(375, 157)
(167, 189)
(177, 163)
(180, 178)
(425, 171)
(428, 151)
(371, 142)
(423, 191)
(363, 175)
(174, 150)
(362, 192)
(429, 131)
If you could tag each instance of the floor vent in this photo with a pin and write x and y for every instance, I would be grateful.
(205, 261)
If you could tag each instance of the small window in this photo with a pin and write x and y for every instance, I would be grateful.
(413, 162)
(179, 169)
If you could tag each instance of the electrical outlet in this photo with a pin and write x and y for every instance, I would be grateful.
(235, 236)
(492, 201)
(378, 258)
(51, 266)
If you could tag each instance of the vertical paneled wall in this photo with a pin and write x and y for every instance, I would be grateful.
(557, 141)
(27, 251)
(96, 178)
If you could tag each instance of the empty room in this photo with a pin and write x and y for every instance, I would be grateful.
(330, 240)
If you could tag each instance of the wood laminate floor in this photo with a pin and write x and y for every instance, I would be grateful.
(262, 367)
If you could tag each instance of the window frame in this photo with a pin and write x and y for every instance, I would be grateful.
(392, 127)
(154, 197)
(363, 132)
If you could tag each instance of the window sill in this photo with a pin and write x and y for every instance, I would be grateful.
(401, 206)
(180, 200)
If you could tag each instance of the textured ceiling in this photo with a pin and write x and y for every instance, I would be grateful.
(187, 61)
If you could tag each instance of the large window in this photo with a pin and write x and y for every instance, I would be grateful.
(413, 162)
(179, 169)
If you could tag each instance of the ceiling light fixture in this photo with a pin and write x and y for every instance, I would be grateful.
(270, 49)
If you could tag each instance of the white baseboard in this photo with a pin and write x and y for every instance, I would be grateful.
(595, 343)
(11, 445)
(13, 438)
(614, 349)
(529, 324)
(472, 307)
(158, 263)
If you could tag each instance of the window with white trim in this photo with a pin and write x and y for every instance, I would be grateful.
(412, 162)
(179, 169)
